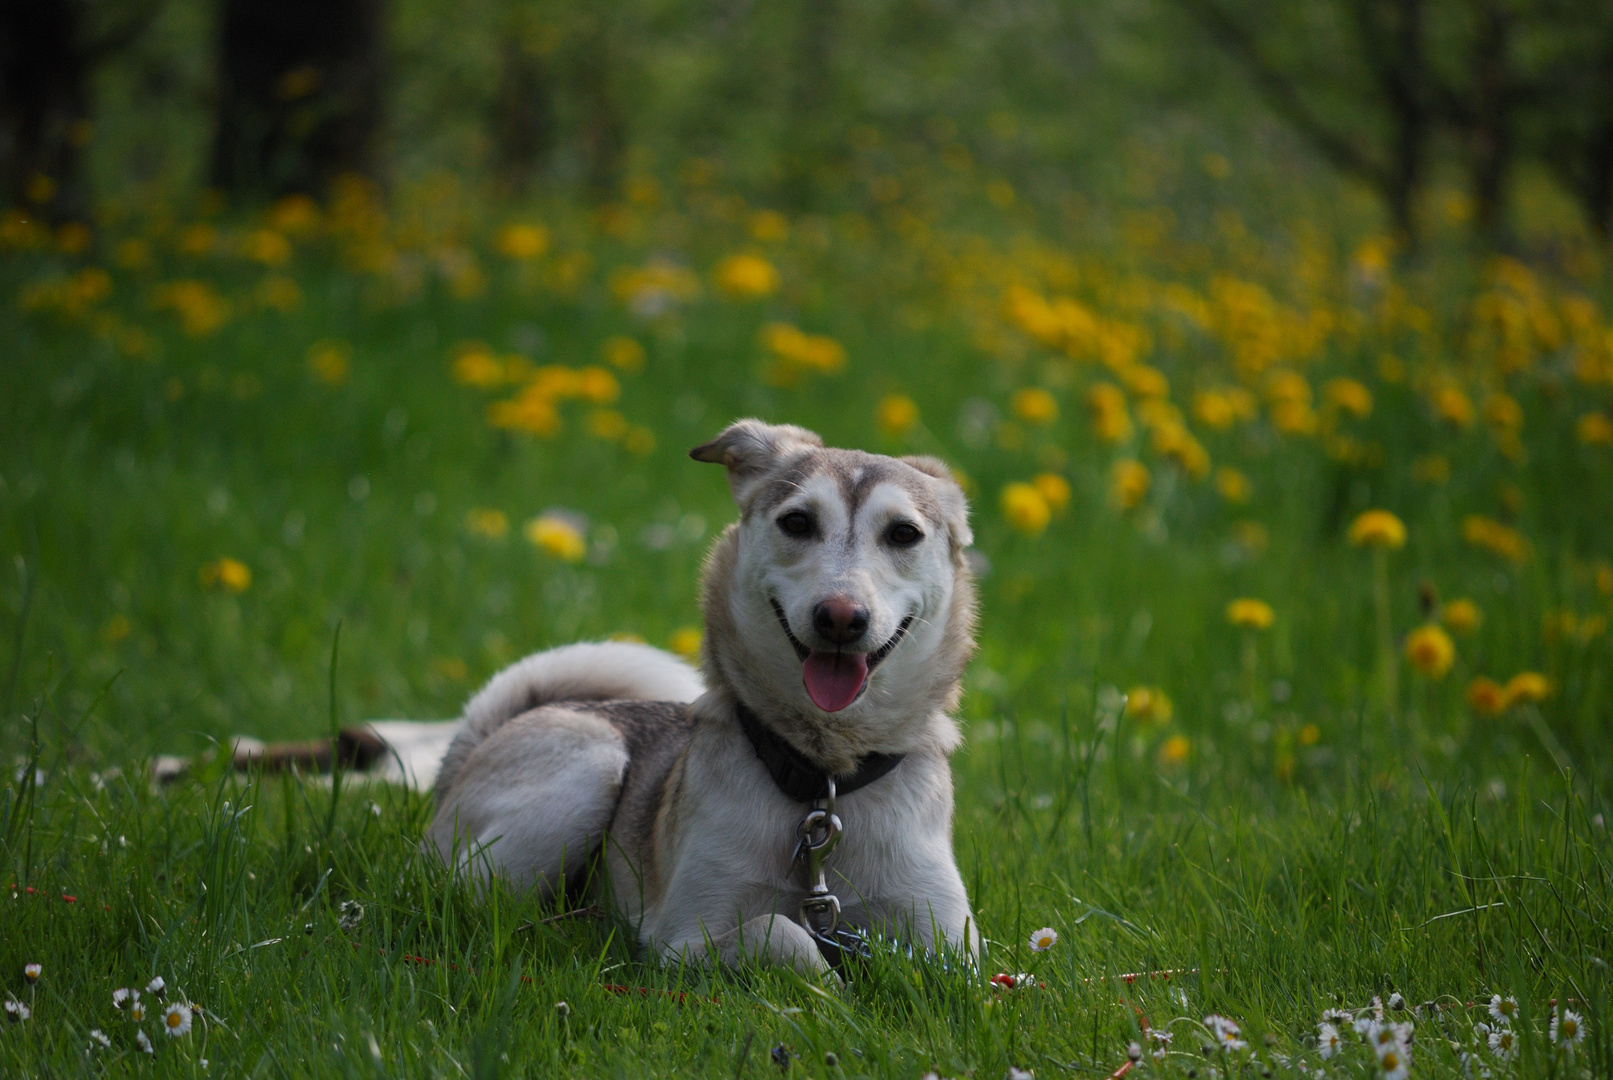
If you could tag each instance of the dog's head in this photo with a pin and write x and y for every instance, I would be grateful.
(840, 605)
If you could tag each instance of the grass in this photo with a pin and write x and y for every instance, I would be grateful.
(1279, 836)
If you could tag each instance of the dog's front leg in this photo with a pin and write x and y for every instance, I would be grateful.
(766, 939)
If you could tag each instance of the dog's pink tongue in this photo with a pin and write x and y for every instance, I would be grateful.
(833, 680)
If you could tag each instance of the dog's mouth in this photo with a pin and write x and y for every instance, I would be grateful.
(836, 679)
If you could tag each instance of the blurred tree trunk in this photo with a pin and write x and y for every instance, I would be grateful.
(1572, 118)
(523, 120)
(806, 142)
(48, 51)
(602, 130)
(1390, 39)
(299, 99)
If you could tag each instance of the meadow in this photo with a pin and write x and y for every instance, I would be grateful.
(1292, 693)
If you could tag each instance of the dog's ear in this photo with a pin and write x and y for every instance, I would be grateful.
(749, 448)
(954, 505)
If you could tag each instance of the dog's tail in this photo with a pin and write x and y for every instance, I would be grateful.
(589, 671)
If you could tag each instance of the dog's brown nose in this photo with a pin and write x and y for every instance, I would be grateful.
(840, 619)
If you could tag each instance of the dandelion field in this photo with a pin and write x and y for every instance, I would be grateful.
(1293, 685)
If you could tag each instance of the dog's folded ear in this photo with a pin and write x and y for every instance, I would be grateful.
(954, 505)
(748, 449)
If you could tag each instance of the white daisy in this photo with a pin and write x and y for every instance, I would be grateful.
(144, 1040)
(99, 1038)
(137, 1010)
(1161, 1036)
(16, 1011)
(1328, 1042)
(1505, 1010)
(1503, 1043)
(1396, 1002)
(1363, 1026)
(1337, 1017)
(1383, 1036)
(1567, 1028)
(122, 996)
(156, 986)
(1377, 1007)
(1395, 1063)
(176, 1019)
(1220, 1026)
(1044, 939)
(1019, 1074)
(1134, 1052)
(31, 972)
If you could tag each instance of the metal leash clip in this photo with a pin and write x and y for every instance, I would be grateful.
(816, 836)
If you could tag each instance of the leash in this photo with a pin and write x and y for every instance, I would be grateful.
(818, 833)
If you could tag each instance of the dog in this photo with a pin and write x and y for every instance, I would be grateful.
(801, 791)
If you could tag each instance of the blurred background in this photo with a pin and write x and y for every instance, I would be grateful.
(1484, 102)
(402, 315)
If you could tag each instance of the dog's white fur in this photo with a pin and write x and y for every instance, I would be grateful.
(551, 765)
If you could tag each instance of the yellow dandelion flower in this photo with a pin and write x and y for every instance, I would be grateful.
(1594, 429)
(597, 385)
(1055, 489)
(295, 214)
(1233, 485)
(228, 574)
(1430, 650)
(1378, 528)
(1213, 409)
(746, 277)
(1107, 404)
(522, 242)
(267, 247)
(623, 353)
(488, 522)
(1250, 613)
(1488, 697)
(797, 351)
(1349, 395)
(1148, 704)
(1453, 406)
(558, 536)
(475, 365)
(331, 361)
(1310, 735)
(1494, 537)
(769, 227)
(897, 413)
(1034, 405)
(1174, 750)
(1026, 508)
(1129, 481)
(607, 424)
(1461, 616)
(1145, 381)
(1528, 686)
(1502, 412)
(686, 641)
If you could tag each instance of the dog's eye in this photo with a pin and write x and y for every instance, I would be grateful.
(904, 534)
(796, 523)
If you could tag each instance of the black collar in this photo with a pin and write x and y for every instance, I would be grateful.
(800, 778)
